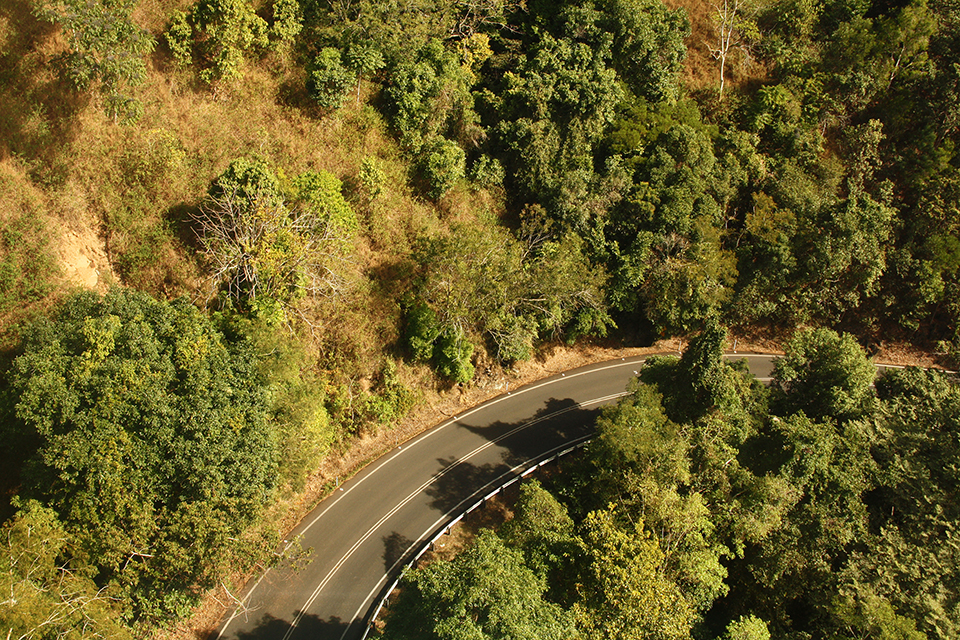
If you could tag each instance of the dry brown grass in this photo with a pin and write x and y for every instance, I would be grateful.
(701, 69)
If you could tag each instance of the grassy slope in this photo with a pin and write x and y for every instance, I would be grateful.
(136, 185)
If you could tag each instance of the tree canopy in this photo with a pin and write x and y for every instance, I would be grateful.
(730, 520)
(153, 446)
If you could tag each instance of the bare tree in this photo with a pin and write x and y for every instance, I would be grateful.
(475, 14)
(727, 22)
(262, 247)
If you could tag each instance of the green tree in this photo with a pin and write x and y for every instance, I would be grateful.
(106, 49)
(865, 615)
(643, 462)
(485, 592)
(270, 248)
(286, 25)
(153, 434)
(665, 239)
(451, 356)
(43, 597)
(701, 381)
(427, 97)
(218, 34)
(747, 628)
(444, 165)
(627, 596)
(555, 107)
(648, 45)
(543, 529)
(328, 80)
(825, 375)
(483, 281)
(915, 507)
(364, 60)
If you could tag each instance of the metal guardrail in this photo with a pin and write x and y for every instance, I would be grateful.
(445, 528)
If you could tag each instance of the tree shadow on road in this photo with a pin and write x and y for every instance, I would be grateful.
(309, 626)
(557, 424)
(396, 547)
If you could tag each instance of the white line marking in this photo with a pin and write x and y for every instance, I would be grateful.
(417, 491)
(424, 436)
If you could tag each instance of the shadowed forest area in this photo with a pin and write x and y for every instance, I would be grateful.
(238, 235)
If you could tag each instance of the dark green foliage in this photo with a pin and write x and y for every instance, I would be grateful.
(398, 27)
(428, 97)
(665, 237)
(328, 80)
(486, 592)
(295, 393)
(701, 381)
(920, 436)
(544, 531)
(648, 46)
(825, 374)
(555, 108)
(154, 445)
(422, 331)
(734, 523)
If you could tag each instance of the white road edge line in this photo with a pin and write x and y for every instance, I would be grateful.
(418, 491)
(416, 441)
(446, 517)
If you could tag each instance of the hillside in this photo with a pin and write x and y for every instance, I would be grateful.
(382, 208)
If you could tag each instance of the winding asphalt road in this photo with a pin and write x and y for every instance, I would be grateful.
(367, 530)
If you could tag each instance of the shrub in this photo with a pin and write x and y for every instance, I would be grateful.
(443, 166)
(487, 172)
(217, 34)
(451, 355)
(328, 80)
(422, 332)
(269, 251)
(371, 176)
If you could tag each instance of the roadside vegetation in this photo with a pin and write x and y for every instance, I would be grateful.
(711, 506)
(313, 212)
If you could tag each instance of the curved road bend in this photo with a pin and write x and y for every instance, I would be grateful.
(364, 532)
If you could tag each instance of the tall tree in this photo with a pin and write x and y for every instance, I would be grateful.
(484, 593)
(106, 49)
(154, 444)
(825, 375)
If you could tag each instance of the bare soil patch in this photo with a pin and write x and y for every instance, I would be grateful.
(83, 259)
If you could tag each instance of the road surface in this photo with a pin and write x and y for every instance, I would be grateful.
(367, 530)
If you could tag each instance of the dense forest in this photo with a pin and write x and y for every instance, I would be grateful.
(710, 506)
(307, 214)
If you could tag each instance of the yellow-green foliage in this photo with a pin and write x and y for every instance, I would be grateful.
(28, 271)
